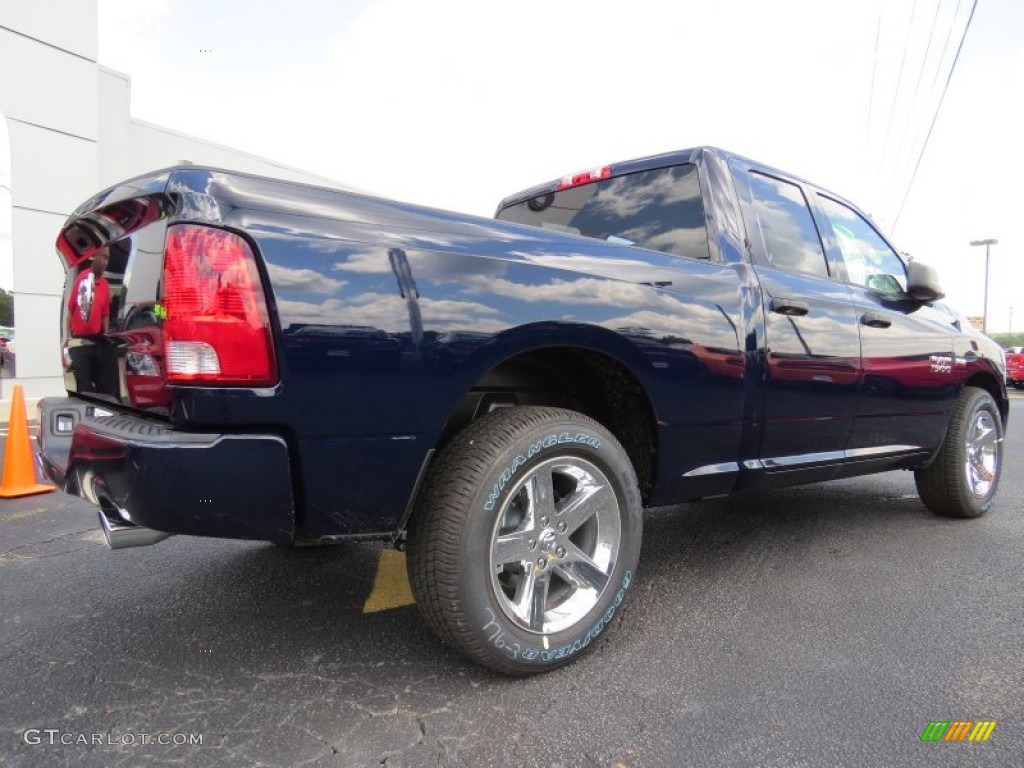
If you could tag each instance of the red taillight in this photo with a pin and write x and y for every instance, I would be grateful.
(585, 178)
(217, 328)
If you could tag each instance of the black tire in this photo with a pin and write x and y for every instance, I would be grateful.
(963, 478)
(1018, 384)
(513, 474)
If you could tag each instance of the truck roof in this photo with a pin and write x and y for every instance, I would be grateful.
(649, 162)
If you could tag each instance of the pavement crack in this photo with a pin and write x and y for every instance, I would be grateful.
(14, 550)
(58, 537)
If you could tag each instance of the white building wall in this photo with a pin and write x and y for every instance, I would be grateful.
(71, 135)
(6, 237)
(48, 99)
(114, 100)
(153, 143)
(70, 25)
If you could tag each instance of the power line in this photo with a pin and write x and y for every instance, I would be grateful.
(874, 70)
(945, 45)
(938, 108)
(940, 65)
(899, 81)
(917, 85)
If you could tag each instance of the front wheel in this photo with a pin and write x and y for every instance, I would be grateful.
(525, 538)
(962, 480)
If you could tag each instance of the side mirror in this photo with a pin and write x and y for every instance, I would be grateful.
(923, 282)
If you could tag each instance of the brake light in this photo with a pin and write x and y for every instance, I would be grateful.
(585, 177)
(217, 327)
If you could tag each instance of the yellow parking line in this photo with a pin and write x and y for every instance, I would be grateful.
(391, 587)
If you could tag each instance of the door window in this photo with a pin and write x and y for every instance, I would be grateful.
(787, 229)
(869, 260)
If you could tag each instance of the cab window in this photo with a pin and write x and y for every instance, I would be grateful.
(869, 260)
(787, 229)
(661, 209)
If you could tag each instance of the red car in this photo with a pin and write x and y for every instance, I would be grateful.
(1015, 367)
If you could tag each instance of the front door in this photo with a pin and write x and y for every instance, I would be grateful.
(909, 386)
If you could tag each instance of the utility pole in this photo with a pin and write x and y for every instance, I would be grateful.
(987, 243)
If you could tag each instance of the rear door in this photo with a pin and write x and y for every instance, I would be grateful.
(812, 344)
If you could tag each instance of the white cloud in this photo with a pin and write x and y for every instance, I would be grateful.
(303, 279)
(366, 263)
(390, 313)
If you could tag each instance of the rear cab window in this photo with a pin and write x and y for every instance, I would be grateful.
(660, 209)
(788, 235)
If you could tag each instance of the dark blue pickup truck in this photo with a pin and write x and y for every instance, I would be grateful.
(503, 397)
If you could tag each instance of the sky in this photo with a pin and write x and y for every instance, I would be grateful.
(457, 103)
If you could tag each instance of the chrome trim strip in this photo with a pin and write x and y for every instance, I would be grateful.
(881, 450)
(804, 458)
(713, 469)
(788, 462)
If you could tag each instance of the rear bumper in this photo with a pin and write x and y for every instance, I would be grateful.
(142, 474)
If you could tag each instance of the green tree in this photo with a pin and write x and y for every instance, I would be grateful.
(1009, 339)
(6, 308)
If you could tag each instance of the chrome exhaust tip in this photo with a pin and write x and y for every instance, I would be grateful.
(121, 533)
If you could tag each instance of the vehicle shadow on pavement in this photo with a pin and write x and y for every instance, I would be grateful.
(260, 605)
(816, 522)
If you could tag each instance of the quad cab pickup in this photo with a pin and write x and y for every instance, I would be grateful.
(503, 397)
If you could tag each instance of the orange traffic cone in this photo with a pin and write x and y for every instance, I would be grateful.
(19, 472)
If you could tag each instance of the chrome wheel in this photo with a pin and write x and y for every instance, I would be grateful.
(554, 545)
(525, 538)
(961, 480)
(982, 463)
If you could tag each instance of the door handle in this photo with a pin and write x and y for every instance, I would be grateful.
(791, 307)
(874, 320)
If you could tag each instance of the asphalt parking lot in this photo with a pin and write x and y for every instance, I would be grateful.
(822, 626)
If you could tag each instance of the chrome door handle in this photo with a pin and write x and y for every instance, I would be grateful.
(874, 320)
(791, 307)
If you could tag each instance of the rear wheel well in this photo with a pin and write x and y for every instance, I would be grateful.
(582, 380)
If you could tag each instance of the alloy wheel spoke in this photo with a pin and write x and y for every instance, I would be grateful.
(580, 570)
(524, 589)
(513, 548)
(532, 596)
(588, 501)
(980, 471)
(985, 436)
(541, 493)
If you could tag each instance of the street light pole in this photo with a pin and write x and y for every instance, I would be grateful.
(984, 314)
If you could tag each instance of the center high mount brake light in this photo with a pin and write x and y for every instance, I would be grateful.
(586, 177)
